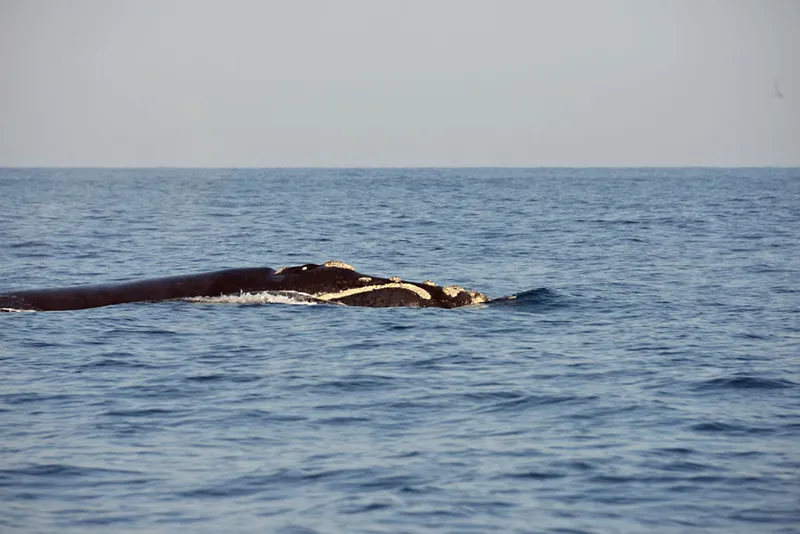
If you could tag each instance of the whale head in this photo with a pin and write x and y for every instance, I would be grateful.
(338, 282)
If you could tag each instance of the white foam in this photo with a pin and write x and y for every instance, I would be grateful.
(14, 310)
(264, 297)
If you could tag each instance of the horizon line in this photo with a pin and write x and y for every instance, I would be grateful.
(389, 167)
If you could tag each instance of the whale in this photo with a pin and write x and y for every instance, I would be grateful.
(332, 282)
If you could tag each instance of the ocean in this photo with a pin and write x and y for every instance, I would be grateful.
(646, 379)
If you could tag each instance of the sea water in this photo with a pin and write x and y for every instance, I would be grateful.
(647, 379)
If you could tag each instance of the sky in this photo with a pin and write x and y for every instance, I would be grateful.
(365, 83)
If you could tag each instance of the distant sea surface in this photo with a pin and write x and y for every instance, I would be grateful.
(646, 380)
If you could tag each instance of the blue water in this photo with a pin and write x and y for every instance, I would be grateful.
(648, 379)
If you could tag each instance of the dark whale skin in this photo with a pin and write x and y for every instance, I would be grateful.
(334, 282)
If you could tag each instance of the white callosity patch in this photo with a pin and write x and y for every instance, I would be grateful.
(453, 291)
(339, 264)
(477, 297)
(358, 290)
(430, 283)
(365, 279)
(396, 279)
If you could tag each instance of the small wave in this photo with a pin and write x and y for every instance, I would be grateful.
(536, 475)
(139, 413)
(26, 397)
(729, 428)
(264, 297)
(223, 377)
(28, 244)
(746, 382)
(60, 471)
(357, 382)
(206, 378)
(524, 402)
(675, 450)
(265, 417)
(343, 420)
(492, 396)
(275, 483)
(117, 362)
(14, 310)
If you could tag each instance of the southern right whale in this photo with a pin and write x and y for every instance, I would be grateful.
(333, 282)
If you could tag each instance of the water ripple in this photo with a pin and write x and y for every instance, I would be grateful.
(747, 382)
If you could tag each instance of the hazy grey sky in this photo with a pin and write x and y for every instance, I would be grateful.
(399, 83)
